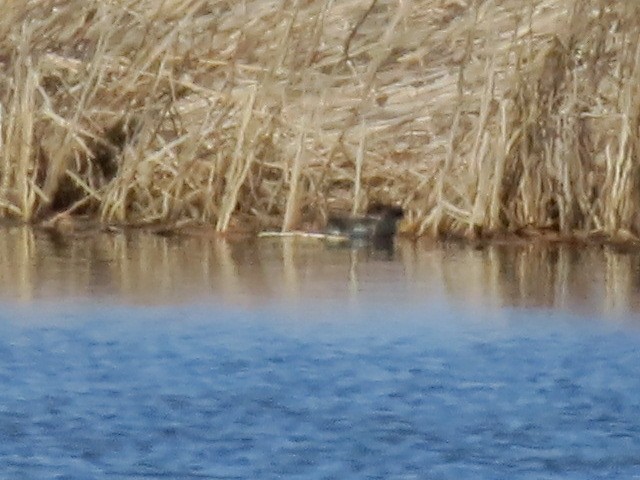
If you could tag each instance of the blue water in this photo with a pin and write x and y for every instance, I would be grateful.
(320, 392)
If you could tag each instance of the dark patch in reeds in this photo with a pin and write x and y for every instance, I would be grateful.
(107, 148)
(99, 166)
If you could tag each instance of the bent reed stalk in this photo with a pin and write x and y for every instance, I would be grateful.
(479, 117)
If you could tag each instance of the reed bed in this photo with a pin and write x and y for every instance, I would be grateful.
(479, 117)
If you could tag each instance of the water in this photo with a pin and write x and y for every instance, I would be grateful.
(369, 368)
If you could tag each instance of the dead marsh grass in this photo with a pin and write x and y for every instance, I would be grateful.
(477, 116)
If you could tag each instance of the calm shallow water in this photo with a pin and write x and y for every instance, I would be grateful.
(287, 361)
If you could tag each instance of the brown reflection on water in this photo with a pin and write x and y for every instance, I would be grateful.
(144, 268)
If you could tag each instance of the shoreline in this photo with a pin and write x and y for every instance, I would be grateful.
(77, 228)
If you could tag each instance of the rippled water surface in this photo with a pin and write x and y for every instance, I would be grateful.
(126, 357)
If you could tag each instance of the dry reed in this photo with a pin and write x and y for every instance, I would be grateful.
(477, 116)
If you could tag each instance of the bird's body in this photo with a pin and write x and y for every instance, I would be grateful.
(379, 223)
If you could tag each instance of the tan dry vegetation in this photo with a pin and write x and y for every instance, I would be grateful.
(477, 116)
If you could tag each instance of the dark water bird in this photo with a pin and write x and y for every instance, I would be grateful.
(379, 224)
